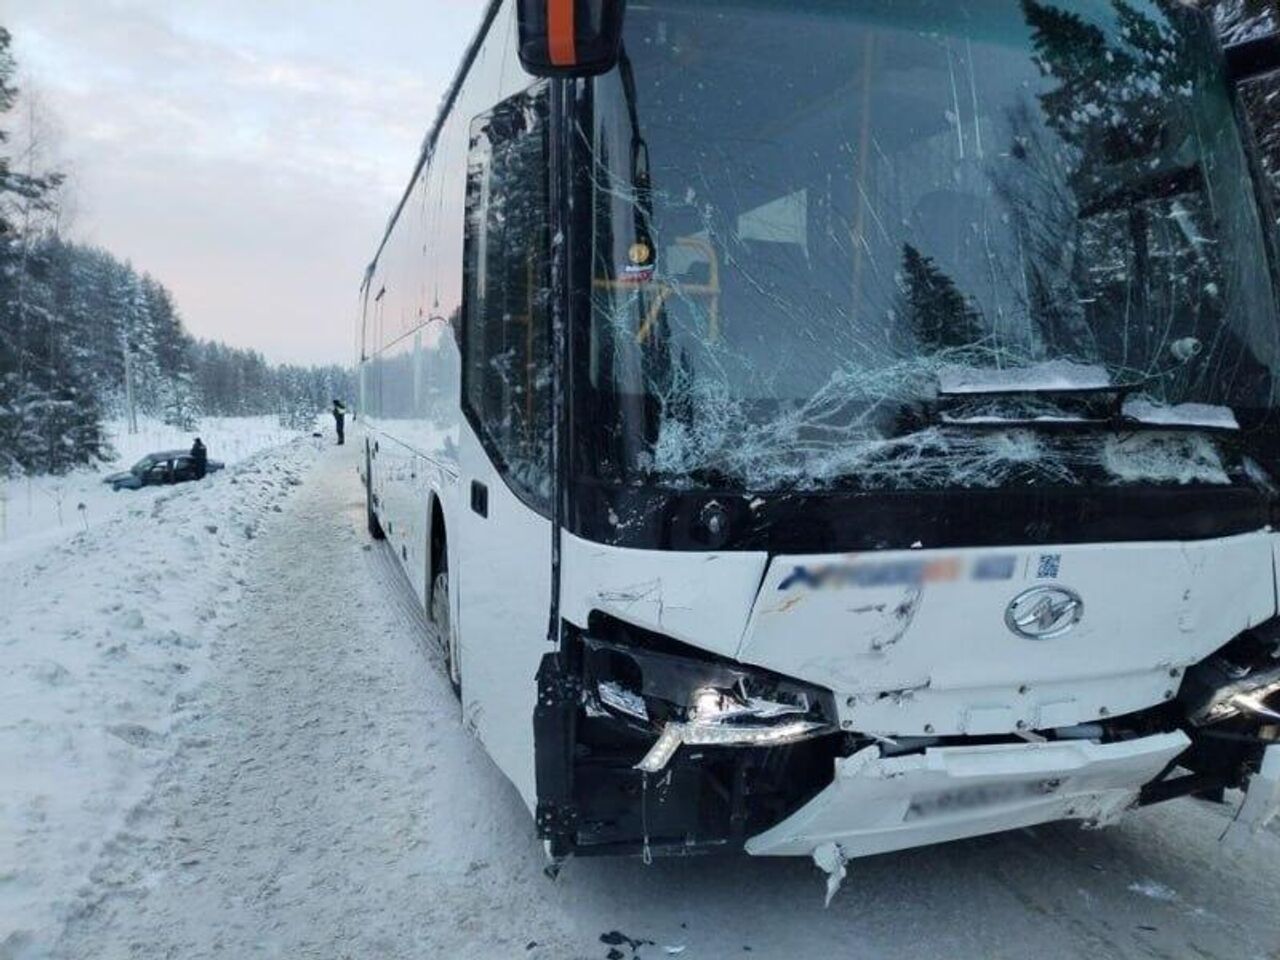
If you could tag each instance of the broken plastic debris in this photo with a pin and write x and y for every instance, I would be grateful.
(831, 860)
(1253, 704)
(624, 701)
(1261, 803)
(615, 939)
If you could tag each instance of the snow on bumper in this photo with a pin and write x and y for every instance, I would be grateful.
(879, 804)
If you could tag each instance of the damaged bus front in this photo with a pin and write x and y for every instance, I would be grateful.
(918, 456)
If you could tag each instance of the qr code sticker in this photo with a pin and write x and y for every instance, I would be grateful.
(1050, 564)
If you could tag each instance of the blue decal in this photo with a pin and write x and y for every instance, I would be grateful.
(995, 568)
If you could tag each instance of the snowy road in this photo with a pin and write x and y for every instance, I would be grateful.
(321, 799)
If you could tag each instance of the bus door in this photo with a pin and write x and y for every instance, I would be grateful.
(504, 549)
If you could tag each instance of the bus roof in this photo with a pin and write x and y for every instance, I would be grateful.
(429, 144)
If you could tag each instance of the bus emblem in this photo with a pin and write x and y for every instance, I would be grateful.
(1044, 613)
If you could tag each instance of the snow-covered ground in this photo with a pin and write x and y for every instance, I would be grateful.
(105, 635)
(36, 510)
(224, 732)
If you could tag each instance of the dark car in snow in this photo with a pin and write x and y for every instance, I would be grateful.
(160, 469)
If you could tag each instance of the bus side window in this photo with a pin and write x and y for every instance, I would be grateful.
(506, 359)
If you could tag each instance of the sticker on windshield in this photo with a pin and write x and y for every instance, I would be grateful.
(639, 268)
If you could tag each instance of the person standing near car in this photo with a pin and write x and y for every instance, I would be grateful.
(340, 421)
(200, 457)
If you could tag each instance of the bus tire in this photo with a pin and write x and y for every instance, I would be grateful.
(375, 527)
(444, 626)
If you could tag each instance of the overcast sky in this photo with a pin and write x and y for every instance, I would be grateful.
(245, 152)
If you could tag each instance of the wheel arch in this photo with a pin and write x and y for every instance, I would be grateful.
(437, 541)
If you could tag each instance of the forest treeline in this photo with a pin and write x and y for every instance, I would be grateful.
(85, 336)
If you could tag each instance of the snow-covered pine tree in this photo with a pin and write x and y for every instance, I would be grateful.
(128, 308)
(170, 347)
(48, 413)
(939, 314)
(84, 336)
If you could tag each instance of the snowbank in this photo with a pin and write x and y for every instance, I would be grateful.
(34, 511)
(103, 640)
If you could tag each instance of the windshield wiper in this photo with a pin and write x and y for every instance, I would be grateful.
(1125, 410)
(979, 394)
(1060, 378)
(1069, 424)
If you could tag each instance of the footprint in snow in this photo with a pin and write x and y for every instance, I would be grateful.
(51, 673)
(136, 735)
(171, 638)
(130, 620)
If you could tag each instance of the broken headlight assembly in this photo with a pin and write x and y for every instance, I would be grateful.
(1221, 690)
(1241, 681)
(697, 700)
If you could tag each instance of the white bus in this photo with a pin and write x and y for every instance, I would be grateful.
(824, 428)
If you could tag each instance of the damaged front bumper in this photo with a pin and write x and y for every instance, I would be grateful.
(879, 804)
(648, 746)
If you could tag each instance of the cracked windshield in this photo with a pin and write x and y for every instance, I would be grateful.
(1021, 246)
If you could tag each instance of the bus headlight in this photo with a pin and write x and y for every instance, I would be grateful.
(759, 724)
(698, 700)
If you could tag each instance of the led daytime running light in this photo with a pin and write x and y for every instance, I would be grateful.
(701, 733)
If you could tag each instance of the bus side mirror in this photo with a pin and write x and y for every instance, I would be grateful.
(1254, 58)
(570, 38)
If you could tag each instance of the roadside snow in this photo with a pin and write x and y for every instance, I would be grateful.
(104, 638)
(38, 510)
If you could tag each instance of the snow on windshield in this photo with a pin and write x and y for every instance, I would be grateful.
(839, 433)
(1183, 415)
(1050, 375)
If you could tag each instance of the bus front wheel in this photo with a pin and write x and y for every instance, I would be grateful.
(448, 636)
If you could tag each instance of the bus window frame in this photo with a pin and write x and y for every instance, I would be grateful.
(544, 91)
